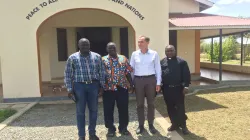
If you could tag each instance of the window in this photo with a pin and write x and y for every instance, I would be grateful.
(62, 46)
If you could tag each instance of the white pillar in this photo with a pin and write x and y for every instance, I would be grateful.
(0, 72)
(116, 38)
(71, 40)
(44, 47)
(131, 41)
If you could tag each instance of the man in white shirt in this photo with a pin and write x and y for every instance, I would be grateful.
(147, 80)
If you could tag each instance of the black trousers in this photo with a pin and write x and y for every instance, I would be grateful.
(121, 98)
(174, 99)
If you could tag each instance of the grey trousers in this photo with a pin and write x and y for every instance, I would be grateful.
(145, 87)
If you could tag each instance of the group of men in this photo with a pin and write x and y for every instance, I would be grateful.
(88, 75)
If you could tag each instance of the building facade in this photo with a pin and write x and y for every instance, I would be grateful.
(38, 36)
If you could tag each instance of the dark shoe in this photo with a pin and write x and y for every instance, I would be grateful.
(185, 131)
(111, 133)
(93, 137)
(124, 132)
(81, 138)
(152, 129)
(172, 128)
(140, 129)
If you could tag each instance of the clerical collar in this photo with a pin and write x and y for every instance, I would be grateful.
(171, 58)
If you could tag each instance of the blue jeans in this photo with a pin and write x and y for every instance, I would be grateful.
(86, 94)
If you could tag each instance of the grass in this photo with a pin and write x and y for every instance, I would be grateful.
(229, 62)
(203, 58)
(216, 115)
(6, 113)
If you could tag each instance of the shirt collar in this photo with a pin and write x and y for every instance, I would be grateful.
(83, 55)
(113, 58)
(147, 52)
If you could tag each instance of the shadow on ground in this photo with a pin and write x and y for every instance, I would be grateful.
(194, 102)
(214, 91)
(191, 136)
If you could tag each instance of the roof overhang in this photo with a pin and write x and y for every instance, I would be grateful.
(202, 21)
(204, 4)
(209, 27)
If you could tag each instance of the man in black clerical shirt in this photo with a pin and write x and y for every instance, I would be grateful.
(175, 83)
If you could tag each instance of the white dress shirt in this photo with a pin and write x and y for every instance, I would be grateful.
(146, 64)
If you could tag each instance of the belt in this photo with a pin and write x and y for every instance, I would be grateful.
(145, 76)
(89, 82)
(173, 86)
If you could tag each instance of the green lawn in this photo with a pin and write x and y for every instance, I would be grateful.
(222, 114)
(229, 62)
(6, 113)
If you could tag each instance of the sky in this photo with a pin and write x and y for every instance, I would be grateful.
(233, 8)
(230, 8)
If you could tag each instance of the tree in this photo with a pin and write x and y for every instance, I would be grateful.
(229, 49)
(246, 50)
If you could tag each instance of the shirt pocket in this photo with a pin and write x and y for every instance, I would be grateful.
(76, 63)
(149, 60)
(137, 59)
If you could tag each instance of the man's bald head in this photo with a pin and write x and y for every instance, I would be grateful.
(170, 47)
(170, 51)
(111, 49)
(82, 40)
(84, 45)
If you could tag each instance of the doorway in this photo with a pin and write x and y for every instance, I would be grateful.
(99, 37)
(173, 38)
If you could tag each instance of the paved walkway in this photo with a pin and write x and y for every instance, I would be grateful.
(57, 121)
(214, 75)
(16, 106)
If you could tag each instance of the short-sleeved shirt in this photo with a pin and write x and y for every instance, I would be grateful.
(116, 71)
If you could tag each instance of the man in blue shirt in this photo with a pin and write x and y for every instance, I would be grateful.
(84, 77)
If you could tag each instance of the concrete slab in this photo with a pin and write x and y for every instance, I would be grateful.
(4, 106)
(15, 116)
(164, 125)
(18, 106)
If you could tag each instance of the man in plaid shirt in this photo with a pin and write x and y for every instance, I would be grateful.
(84, 77)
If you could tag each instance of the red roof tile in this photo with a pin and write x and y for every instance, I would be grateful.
(204, 20)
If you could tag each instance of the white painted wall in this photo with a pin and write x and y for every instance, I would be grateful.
(186, 47)
(183, 6)
(1, 50)
(45, 40)
(116, 38)
(132, 42)
(0, 72)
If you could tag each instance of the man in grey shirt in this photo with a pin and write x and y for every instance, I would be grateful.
(147, 80)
